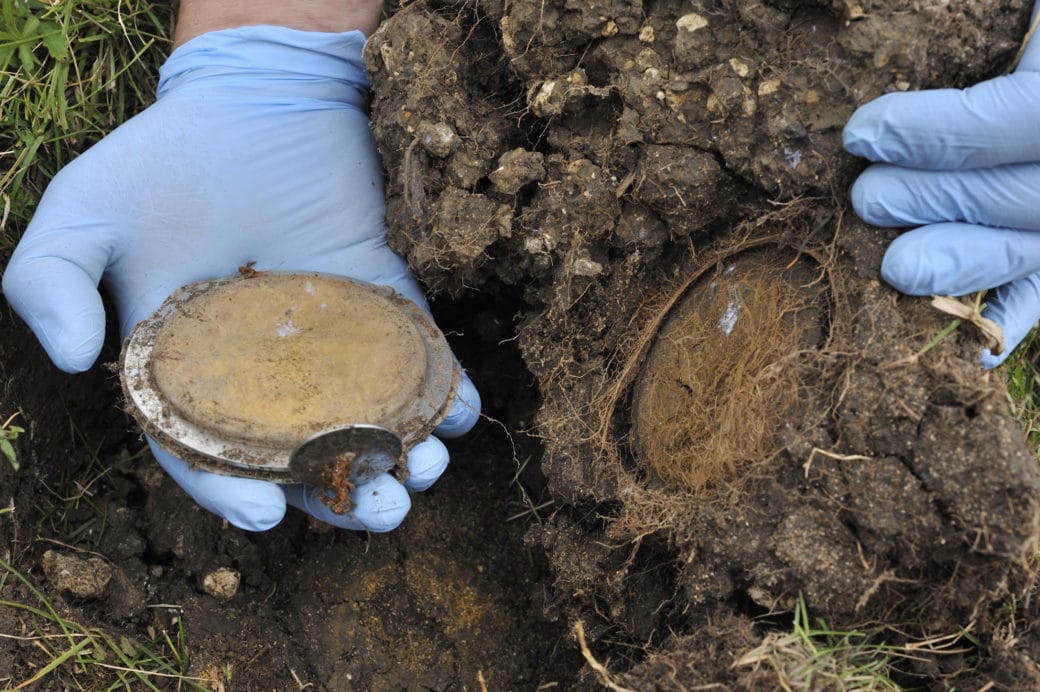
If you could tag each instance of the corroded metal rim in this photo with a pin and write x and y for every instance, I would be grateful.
(214, 452)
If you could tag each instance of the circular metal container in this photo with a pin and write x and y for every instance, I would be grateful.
(237, 375)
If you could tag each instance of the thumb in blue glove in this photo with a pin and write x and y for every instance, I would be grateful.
(258, 149)
(964, 166)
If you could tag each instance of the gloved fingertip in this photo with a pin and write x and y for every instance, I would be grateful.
(426, 463)
(261, 513)
(990, 361)
(1015, 306)
(62, 307)
(858, 195)
(464, 413)
(872, 193)
(862, 198)
(860, 135)
(905, 269)
(255, 522)
(900, 128)
(381, 504)
(248, 504)
(77, 353)
(852, 139)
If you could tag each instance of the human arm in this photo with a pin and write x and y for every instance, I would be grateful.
(197, 17)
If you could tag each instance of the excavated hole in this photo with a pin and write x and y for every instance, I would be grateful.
(724, 370)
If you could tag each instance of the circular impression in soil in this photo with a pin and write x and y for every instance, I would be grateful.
(724, 370)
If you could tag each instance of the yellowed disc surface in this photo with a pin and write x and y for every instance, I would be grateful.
(277, 358)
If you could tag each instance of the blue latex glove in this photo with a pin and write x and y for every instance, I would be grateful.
(257, 149)
(964, 165)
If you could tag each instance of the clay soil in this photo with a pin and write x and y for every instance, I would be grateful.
(708, 410)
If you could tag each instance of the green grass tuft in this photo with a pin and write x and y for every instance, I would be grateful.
(819, 657)
(68, 655)
(9, 432)
(70, 72)
(1021, 371)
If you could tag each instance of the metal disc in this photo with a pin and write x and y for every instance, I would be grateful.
(233, 375)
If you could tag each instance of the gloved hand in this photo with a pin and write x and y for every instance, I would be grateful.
(964, 165)
(257, 149)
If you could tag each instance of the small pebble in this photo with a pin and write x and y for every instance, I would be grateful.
(86, 577)
(221, 583)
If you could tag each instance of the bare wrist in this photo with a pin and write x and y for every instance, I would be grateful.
(197, 17)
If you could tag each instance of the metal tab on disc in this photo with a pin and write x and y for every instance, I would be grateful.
(375, 450)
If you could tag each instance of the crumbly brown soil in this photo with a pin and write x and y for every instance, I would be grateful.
(602, 163)
(569, 174)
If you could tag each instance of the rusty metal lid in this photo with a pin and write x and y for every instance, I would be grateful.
(234, 375)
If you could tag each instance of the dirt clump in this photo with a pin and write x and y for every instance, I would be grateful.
(221, 583)
(607, 163)
(85, 577)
